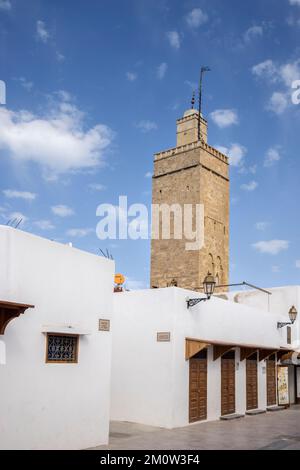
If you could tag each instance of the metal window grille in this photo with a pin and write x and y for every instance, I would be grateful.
(62, 348)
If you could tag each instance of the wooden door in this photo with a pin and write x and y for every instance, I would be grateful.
(198, 387)
(228, 383)
(271, 381)
(251, 382)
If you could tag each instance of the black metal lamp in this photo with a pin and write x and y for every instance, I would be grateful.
(209, 285)
(292, 314)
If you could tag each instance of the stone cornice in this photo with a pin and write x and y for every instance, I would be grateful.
(185, 148)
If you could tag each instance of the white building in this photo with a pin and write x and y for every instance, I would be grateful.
(278, 302)
(172, 365)
(55, 379)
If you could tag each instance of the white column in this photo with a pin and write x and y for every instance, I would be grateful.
(240, 383)
(262, 385)
(213, 386)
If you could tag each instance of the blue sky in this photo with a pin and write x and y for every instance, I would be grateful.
(94, 89)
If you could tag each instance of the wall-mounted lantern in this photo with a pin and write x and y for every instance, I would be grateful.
(209, 285)
(292, 314)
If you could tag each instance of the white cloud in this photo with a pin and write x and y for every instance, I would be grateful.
(44, 224)
(174, 39)
(224, 117)
(285, 75)
(251, 186)
(250, 170)
(290, 72)
(294, 2)
(26, 84)
(57, 140)
(62, 211)
(41, 30)
(146, 126)
(60, 57)
(271, 247)
(196, 18)
(79, 232)
(265, 69)
(148, 174)
(262, 226)
(14, 194)
(235, 152)
(96, 187)
(161, 70)
(5, 5)
(63, 95)
(272, 156)
(131, 76)
(253, 32)
(278, 103)
(297, 263)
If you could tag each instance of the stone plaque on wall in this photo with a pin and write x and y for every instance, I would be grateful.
(104, 325)
(164, 337)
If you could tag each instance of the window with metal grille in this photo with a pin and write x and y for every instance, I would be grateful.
(62, 348)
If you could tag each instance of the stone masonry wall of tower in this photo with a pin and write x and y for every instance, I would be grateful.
(192, 173)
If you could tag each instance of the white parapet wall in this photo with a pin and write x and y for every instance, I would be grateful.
(278, 303)
(54, 406)
(150, 379)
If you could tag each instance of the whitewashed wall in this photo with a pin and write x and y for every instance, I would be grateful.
(240, 383)
(150, 380)
(142, 369)
(54, 406)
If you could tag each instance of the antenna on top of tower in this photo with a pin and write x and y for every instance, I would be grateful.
(202, 72)
(193, 100)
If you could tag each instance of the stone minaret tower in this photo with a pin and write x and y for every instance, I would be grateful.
(192, 173)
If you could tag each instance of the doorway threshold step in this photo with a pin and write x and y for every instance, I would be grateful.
(255, 412)
(231, 417)
(275, 408)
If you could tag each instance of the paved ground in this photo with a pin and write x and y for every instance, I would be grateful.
(273, 430)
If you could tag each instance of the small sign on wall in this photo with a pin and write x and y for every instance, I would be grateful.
(104, 325)
(164, 337)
